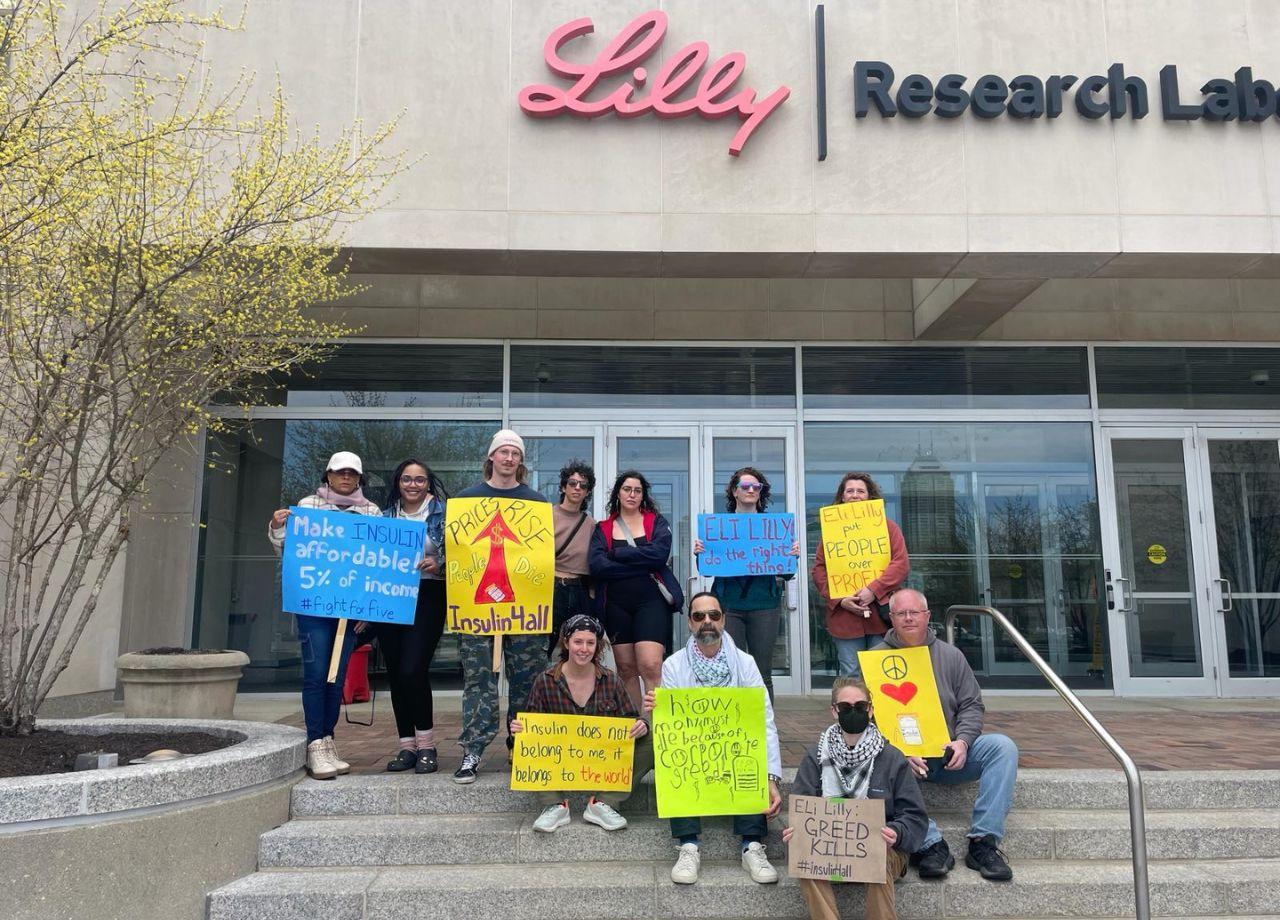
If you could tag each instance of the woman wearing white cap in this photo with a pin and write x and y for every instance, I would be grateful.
(341, 490)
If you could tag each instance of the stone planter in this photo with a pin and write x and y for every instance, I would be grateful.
(196, 685)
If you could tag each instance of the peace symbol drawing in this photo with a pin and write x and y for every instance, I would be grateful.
(894, 667)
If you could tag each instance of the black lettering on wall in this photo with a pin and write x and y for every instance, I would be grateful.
(1171, 106)
(872, 81)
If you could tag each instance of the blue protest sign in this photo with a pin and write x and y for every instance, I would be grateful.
(338, 564)
(746, 544)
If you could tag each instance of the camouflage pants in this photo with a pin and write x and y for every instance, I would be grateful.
(524, 658)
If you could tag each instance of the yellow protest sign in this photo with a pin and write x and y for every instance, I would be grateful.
(905, 697)
(558, 753)
(710, 754)
(499, 560)
(855, 543)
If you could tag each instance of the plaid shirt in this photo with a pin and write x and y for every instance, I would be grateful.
(550, 694)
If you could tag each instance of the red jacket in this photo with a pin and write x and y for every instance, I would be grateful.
(841, 623)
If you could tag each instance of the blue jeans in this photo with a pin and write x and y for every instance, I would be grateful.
(993, 762)
(847, 653)
(321, 700)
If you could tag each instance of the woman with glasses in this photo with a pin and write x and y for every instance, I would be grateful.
(573, 527)
(416, 495)
(752, 603)
(635, 587)
(852, 760)
(857, 623)
(341, 489)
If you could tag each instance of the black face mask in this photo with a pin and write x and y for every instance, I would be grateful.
(854, 721)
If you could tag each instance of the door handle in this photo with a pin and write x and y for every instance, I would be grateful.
(1126, 594)
(1227, 600)
(688, 587)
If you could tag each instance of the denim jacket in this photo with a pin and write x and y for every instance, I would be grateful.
(435, 527)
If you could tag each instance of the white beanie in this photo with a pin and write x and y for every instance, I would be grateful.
(506, 438)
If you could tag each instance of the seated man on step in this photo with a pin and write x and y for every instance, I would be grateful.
(990, 759)
(710, 659)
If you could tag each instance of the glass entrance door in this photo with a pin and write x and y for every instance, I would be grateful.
(1242, 520)
(1155, 564)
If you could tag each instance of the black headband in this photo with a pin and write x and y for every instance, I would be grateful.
(580, 623)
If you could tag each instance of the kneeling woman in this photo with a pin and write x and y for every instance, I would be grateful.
(579, 685)
(852, 760)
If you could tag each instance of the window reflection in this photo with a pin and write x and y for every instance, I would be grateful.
(1002, 514)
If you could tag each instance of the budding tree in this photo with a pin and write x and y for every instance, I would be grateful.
(157, 249)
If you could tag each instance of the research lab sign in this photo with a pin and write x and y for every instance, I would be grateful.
(1115, 94)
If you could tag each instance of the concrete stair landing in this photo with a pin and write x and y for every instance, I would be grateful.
(397, 846)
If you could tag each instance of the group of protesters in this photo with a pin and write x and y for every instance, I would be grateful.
(615, 591)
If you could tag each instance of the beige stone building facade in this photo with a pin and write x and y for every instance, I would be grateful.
(1053, 339)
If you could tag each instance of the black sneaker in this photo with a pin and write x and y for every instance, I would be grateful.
(985, 856)
(427, 762)
(936, 861)
(404, 760)
(467, 770)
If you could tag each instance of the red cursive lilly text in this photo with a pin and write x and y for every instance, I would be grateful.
(639, 39)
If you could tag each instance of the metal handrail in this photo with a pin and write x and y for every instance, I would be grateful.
(1137, 805)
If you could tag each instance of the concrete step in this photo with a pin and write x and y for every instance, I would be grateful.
(389, 793)
(565, 891)
(420, 840)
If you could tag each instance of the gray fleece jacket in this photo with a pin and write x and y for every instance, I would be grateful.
(961, 696)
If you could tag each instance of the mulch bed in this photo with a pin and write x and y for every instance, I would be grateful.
(55, 752)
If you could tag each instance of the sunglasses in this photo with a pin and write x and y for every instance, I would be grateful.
(699, 615)
(750, 486)
(860, 706)
(576, 484)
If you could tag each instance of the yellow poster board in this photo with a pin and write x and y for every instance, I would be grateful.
(855, 543)
(905, 697)
(499, 565)
(710, 753)
(562, 753)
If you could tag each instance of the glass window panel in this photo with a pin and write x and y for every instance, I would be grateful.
(1246, 511)
(1155, 540)
(1037, 512)
(546, 455)
(400, 376)
(251, 472)
(929, 377)
(1188, 378)
(669, 376)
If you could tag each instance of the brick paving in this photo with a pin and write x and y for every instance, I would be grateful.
(1159, 735)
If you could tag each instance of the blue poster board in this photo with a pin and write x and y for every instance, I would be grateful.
(338, 564)
(746, 544)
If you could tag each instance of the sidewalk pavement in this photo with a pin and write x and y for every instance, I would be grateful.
(1159, 733)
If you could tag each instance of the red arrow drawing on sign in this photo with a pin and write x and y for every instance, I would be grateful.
(495, 585)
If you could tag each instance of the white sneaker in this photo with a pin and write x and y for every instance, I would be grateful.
(552, 818)
(685, 871)
(318, 763)
(332, 750)
(602, 815)
(757, 865)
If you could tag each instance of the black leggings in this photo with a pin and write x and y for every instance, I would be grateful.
(408, 651)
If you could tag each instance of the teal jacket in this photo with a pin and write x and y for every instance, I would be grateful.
(749, 592)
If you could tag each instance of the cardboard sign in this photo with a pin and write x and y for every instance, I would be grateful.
(837, 840)
(746, 544)
(351, 566)
(855, 543)
(499, 565)
(905, 698)
(558, 753)
(710, 755)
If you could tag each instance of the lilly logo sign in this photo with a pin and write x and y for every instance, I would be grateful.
(664, 95)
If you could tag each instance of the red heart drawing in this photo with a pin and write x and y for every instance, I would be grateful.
(903, 692)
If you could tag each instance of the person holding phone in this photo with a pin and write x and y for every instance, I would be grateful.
(852, 760)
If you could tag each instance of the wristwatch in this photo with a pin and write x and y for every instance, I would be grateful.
(775, 779)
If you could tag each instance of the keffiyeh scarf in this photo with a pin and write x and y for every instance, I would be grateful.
(710, 672)
(846, 771)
